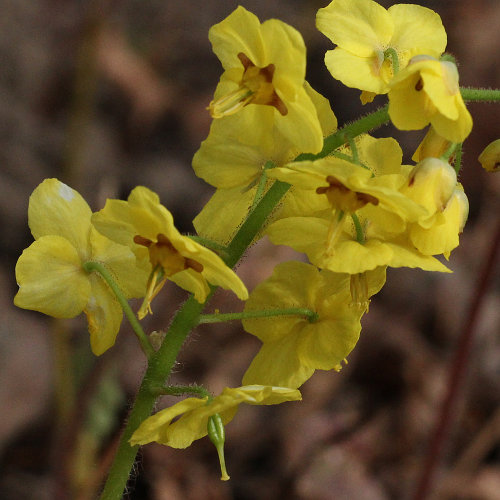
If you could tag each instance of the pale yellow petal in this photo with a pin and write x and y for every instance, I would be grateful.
(286, 50)
(301, 125)
(51, 279)
(121, 263)
(277, 363)
(104, 315)
(360, 26)
(238, 32)
(57, 209)
(154, 427)
(327, 118)
(356, 72)
(417, 30)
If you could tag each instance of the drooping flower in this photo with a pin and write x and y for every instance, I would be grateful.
(265, 69)
(433, 184)
(293, 347)
(147, 228)
(50, 274)
(427, 91)
(365, 34)
(195, 412)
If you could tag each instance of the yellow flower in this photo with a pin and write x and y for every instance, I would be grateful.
(195, 412)
(50, 274)
(365, 33)
(427, 91)
(265, 66)
(236, 157)
(293, 348)
(147, 227)
(433, 184)
(330, 240)
(440, 235)
(348, 188)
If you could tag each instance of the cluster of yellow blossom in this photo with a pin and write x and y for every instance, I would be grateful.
(353, 212)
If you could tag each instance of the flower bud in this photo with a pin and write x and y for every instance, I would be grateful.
(217, 435)
(490, 157)
(431, 184)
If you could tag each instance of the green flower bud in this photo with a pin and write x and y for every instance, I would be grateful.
(217, 435)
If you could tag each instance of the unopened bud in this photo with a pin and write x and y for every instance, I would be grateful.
(490, 157)
(217, 435)
(431, 184)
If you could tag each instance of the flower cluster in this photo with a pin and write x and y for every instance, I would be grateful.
(348, 202)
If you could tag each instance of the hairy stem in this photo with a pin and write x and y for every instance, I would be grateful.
(134, 323)
(269, 313)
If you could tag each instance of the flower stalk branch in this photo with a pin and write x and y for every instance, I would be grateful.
(134, 323)
(270, 313)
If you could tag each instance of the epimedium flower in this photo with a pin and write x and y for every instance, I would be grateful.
(366, 34)
(264, 68)
(194, 413)
(147, 228)
(427, 91)
(236, 157)
(433, 184)
(348, 187)
(294, 347)
(50, 274)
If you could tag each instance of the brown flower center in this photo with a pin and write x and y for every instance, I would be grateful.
(255, 87)
(343, 198)
(163, 253)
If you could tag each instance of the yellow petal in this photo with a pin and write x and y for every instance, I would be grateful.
(327, 118)
(57, 209)
(359, 26)
(277, 363)
(152, 429)
(223, 214)
(356, 72)
(326, 343)
(104, 315)
(51, 279)
(285, 49)
(417, 30)
(121, 263)
(238, 32)
(301, 124)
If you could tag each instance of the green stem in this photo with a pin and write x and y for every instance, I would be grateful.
(480, 95)
(136, 326)
(449, 151)
(269, 313)
(262, 184)
(161, 363)
(365, 124)
(159, 368)
(180, 390)
(458, 158)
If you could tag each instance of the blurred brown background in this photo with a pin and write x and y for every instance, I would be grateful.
(108, 94)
